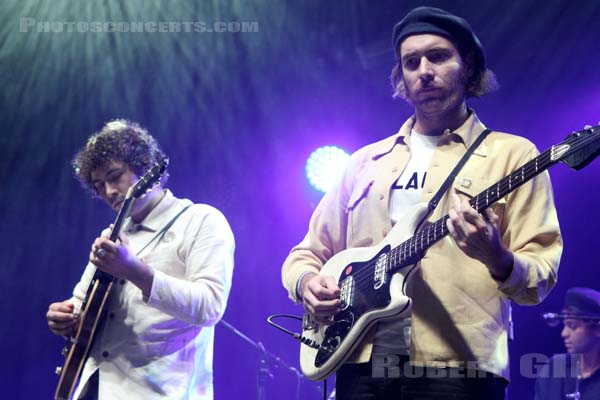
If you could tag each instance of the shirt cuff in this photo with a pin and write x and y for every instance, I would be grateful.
(295, 278)
(154, 299)
(299, 282)
(518, 276)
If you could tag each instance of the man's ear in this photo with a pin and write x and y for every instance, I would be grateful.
(469, 78)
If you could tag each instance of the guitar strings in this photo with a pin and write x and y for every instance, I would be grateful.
(405, 250)
(410, 248)
(417, 244)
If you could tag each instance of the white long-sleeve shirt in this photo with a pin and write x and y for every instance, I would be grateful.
(162, 347)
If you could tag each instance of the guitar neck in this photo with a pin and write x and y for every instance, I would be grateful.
(121, 216)
(114, 235)
(413, 249)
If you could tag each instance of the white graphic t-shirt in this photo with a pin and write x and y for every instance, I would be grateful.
(393, 337)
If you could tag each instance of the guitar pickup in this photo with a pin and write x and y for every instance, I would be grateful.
(347, 292)
(380, 275)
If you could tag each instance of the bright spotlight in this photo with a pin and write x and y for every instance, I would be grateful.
(325, 166)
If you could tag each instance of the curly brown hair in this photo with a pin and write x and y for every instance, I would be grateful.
(118, 140)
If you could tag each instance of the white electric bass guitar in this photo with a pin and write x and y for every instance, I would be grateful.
(373, 280)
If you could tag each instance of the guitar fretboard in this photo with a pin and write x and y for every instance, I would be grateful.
(413, 249)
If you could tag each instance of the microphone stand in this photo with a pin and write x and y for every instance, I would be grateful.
(266, 356)
(576, 395)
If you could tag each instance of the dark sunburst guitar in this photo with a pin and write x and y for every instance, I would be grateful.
(373, 280)
(78, 346)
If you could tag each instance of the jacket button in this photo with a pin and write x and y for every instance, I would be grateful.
(381, 197)
(111, 315)
(105, 354)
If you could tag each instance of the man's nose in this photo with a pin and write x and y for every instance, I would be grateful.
(425, 70)
(565, 332)
(111, 189)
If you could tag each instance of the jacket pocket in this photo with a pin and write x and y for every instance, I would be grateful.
(358, 195)
(359, 211)
(480, 192)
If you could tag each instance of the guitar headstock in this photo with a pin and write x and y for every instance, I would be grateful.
(150, 178)
(579, 148)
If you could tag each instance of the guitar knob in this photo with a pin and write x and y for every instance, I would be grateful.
(58, 370)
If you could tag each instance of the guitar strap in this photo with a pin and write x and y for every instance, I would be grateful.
(160, 234)
(436, 198)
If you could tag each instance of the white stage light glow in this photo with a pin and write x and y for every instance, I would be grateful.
(325, 166)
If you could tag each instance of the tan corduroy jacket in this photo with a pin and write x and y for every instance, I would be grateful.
(460, 313)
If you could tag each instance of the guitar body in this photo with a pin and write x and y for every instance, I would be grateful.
(369, 294)
(78, 347)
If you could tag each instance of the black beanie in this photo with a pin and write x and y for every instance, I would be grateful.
(422, 20)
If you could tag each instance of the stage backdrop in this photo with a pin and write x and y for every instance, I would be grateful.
(238, 100)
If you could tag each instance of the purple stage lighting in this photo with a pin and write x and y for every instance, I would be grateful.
(325, 166)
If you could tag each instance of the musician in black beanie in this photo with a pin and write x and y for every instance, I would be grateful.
(173, 263)
(456, 334)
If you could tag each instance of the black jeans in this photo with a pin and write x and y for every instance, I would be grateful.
(356, 382)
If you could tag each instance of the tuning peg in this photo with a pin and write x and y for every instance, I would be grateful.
(58, 370)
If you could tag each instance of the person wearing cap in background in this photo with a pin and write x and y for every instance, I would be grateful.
(576, 373)
(460, 317)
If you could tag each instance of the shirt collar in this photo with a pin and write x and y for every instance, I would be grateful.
(155, 218)
(466, 134)
(469, 131)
